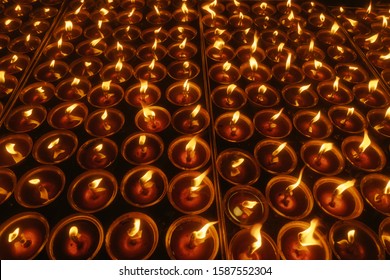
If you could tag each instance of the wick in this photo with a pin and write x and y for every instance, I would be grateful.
(271, 125)
(22, 240)
(233, 129)
(106, 126)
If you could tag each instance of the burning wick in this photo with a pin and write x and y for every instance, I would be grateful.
(274, 156)
(315, 119)
(106, 125)
(324, 148)
(16, 156)
(141, 142)
(134, 232)
(41, 188)
(384, 121)
(52, 70)
(349, 115)
(17, 236)
(349, 244)
(196, 185)
(77, 90)
(235, 171)
(142, 90)
(99, 156)
(362, 147)
(335, 88)
(190, 150)
(186, 90)
(145, 182)
(230, 89)
(150, 74)
(385, 196)
(26, 117)
(288, 192)
(55, 146)
(187, 69)
(95, 189)
(150, 117)
(339, 190)
(306, 238)
(233, 123)
(71, 118)
(226, 67)
(261, 91)
(200, 236)
(74, 235)
(271, 122)
(256, 233)
(194, 113)
(287, 68)
(245, 209)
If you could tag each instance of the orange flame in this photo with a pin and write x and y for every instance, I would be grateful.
(350, 238)
(306, 237)
(13, 235)
(68, 25)
(373, 38)
(195, 112)
(373, 85)
(70, 108)
(280, 47)
(53, 143)
(303, 88)
(236, 117)
(288, 62)
(191, 145)
(253, 63)
(353, 23)
(334, 28)
(336, 84)
(28, 113)
(277, 115)
(255, 42)
(197, 181)
(183, 44)
(135, 232)
(106, 85)
(365, 143)
(230, 89)
(387, 188)
(256, 233)
(201, 235)
(118, 66)
(279, 149)
(322, 17)
(226, 66)
(342, 187)
(292, 187)
(387, 114)
(145, 180)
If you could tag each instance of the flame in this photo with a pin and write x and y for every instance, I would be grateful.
(277, 115)
(27, 113)
(387, 114)
(152, 64)
(256, 233)
(342, 187)
(279, 149)
(336, 84)
(253, 63)
(157, 10)
(246, 31)
(299, 29)
(118, 66)
(262, 89)
(186, 65)
(2, 77)
(53, 143)
(100, 23)
(230, 89)
(157, 30)
(184, 8)
(350, 238)
(237, 163)
(195, 112)
(28, 37)
(146, 178)
(387, 188)
(104, 115)
(14, 58)
(341, 9)
(154, 47)
(291, 15)
(219, 44)
(369, 8)
(10, 147)
(131, 12)
(226, 66)
(288, 62)
(98, 148)
(106, 85)
(325, 148)
(373, 38)
(59, 43)
(288, 4)
(240, 16)
(350, 112)
(365, 143)
(353, 68)
(191, 145)
(95, 184)
(317, 64)
(200, 235)
(52, 63)
(68, 25)
(322, 17)
(180, 29)
(236, 3)
(119, 47)
(372, 85)
(303, 88)
(209, 10)
(306, 237)
(197, 181)
(218, 31)
(93, 43)
(385, 57)
(70, 108)
(34, 181)
(334, 28)
(236, 117)
(384, 22)
(280, 47)
(249, 204)
(142, 140)
(149, 114)
(75, 82)
(135, 232)
(186, 85)
(103, 11)
(143, 86)
(74, 232)
(354, 23)
(255, 42)
(37, 23)
(78, 9)
(263, 5)
(13, 235)
(316, 118)
(18, 8)
(292, 187)
(183, 44)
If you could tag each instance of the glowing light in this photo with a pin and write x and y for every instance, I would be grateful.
(256, 233)
(336, 84)
(334, 28)
(68, 25)
(118, 66)
(292, 187)
(183, 44)
(342, 187)
(195, 112)
(306, 237)
(226, 66)
(277, 115)
(373, 85)
(13, 235)
(253, 64)
(373, 38)
(365, 143)
(304, 88)
(279, 149)
(135, 232)
(200, 236)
